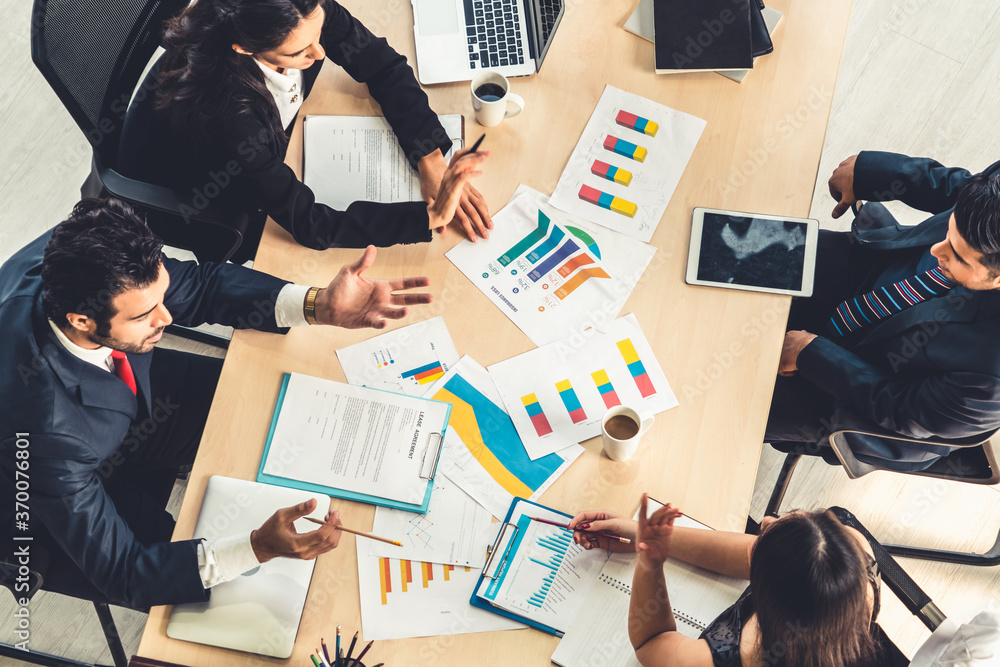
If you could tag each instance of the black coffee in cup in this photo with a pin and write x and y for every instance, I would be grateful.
(621, 427)
(490, 92)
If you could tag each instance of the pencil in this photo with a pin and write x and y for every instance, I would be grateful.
(315, 661)
(323, 663)
(350, 649)
(357, 532)
(475, 146)
(623, 540)
(336, 651)
(326, 653)
(357, 660)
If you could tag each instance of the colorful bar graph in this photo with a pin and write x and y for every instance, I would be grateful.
(610, 202)
(385, 582)
(570, 400)
(538, 419)
(636, 368)
(527, 242)
(637, 123)
(581, 277)
(611, 173)
(575, 263)
(625, 148)
(546, 246)
(605, 388)
(426, 374)
(564, 251)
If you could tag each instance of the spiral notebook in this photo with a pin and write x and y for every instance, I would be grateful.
(599, 633)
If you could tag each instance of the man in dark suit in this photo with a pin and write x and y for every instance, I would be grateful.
(95, 423)
(901, 332)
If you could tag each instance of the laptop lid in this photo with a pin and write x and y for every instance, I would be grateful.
(545, 16)
(258, 612)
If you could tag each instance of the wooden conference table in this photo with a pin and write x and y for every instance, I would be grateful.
(719, 349)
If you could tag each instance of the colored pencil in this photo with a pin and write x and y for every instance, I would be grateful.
(623, 540)
(358, 659)
(315, 661)
(336, 651)
(356, 532)
(326, 653)
(350, 649)
(323, 662)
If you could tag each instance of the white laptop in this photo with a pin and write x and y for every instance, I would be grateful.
(258, 612)
(457, 38)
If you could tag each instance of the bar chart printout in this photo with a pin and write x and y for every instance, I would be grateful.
(546, 576)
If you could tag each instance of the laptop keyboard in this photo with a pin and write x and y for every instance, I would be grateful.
(550, 12)
(494, 33)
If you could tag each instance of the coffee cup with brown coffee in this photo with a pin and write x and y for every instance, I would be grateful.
(621, 429)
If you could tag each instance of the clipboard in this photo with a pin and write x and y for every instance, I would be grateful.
(497, 557)
(430, 458)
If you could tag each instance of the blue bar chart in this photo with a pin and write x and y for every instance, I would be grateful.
(557, 543)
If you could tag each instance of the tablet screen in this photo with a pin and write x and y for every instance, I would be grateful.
(755, 252)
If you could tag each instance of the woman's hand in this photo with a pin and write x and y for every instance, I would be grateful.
(450, 196)
(655, 533)
(586, 524)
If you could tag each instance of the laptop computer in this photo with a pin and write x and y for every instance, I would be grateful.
(455, 39)
(258, 612)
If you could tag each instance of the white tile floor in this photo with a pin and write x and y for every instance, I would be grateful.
(918, 77)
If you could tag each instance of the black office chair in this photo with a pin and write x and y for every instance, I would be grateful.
(92, 54)
(10, 578)
(973, 462)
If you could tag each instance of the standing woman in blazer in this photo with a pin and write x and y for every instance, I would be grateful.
(227, 92)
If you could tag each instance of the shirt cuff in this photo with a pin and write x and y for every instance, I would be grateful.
(288, 306)
(225, 559)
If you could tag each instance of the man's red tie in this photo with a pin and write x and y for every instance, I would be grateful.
(123, 369)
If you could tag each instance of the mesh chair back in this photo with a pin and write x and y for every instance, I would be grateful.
(92, 53)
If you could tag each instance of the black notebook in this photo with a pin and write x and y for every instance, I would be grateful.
(702, 35)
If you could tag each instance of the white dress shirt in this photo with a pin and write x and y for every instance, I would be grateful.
(286, 88)
(227, 557)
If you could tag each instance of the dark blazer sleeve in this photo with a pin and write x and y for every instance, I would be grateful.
(947, 405)
(920, 183)
(224, 294)
(69, 499)
(264, 178)
(390, 80)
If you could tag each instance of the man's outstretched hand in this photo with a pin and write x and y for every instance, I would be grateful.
(352, 301)
(278, 537)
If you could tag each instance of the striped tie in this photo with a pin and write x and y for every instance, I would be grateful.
(857, 313)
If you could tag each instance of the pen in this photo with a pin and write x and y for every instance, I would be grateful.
(326, 653)
(350, 649)
(623, 540)
(358, 659)
(475, 146)
(336, 651)
(356, 532)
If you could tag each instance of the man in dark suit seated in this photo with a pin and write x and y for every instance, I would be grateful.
(903, 329)
(95, 423)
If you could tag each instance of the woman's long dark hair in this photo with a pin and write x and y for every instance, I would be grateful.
(201, 76)
(809, 586)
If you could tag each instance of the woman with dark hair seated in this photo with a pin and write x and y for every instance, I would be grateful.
(213, 117)
(812, 601)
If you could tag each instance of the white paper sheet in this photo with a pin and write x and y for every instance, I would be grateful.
(406, 360)
(353, 438)
(437, 605)
(653, 180)
(557, 394)
(455, 530)
(483, 453)
(547, 279)
(357, 158)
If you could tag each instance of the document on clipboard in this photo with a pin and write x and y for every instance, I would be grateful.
(355, 443)
(534, 572)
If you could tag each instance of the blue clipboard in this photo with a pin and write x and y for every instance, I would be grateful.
(477, 601)
(340, 493)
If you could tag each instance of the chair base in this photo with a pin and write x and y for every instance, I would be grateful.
(990, 558)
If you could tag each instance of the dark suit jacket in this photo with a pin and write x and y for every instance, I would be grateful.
(76, 416)
(932, 370)
(234, 167)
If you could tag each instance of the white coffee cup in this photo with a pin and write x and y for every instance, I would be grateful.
(622, 448)
(493, 109)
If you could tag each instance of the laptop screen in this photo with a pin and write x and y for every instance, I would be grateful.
(545, 17)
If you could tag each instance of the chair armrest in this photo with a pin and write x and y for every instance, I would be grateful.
(152, 196)
(895, 577)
